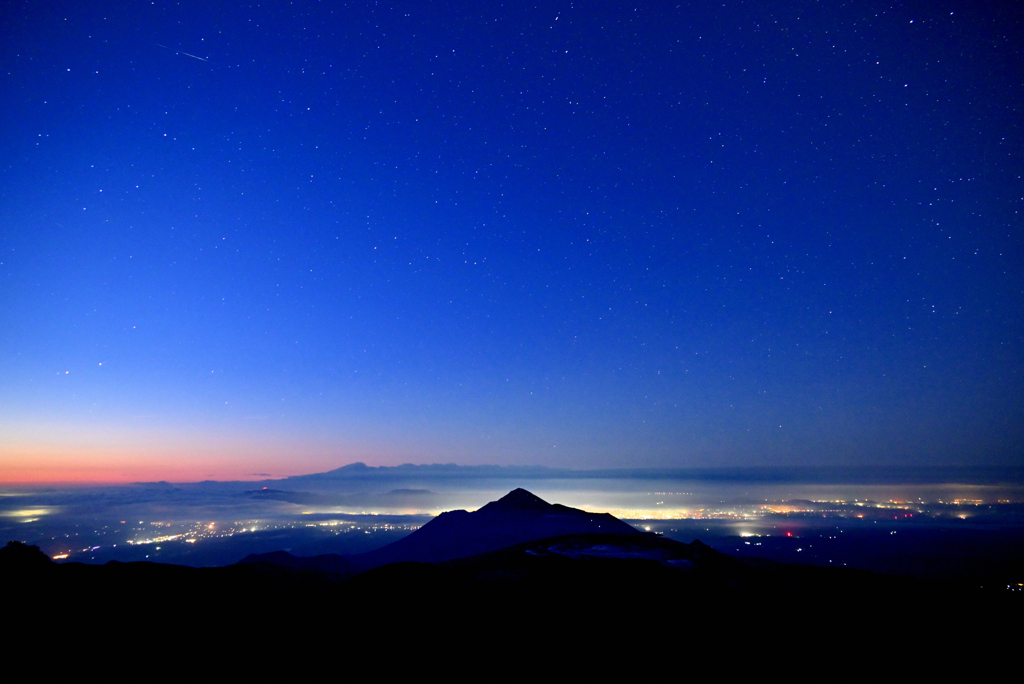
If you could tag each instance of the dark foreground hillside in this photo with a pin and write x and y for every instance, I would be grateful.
(592, 590)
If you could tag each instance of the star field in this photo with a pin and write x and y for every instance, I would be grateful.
(286, 236)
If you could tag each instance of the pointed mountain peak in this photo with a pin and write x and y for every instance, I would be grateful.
(517, 517)
(518, 500)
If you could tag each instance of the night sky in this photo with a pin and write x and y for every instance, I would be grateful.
(281, 237)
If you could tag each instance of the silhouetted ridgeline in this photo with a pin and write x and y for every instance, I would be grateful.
(517, 517)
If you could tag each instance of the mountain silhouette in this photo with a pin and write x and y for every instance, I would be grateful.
(517, 517)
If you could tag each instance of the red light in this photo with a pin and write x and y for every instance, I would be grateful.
(789, 534)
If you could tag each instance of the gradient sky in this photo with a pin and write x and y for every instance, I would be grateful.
(283, 237)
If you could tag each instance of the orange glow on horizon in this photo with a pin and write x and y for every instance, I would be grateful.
(115, 471)
(54, 454)
(52, 465)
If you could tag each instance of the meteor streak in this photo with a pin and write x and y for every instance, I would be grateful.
(201, 59)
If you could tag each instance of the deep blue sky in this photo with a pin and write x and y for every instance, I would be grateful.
(697, 234)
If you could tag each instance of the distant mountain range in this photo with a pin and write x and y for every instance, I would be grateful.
(793, 474)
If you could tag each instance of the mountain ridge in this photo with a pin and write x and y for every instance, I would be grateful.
(519, 516)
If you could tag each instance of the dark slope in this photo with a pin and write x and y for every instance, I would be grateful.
(517, 517)
(579, 565)
(559, 589)
(579, 596)
(326, 563)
